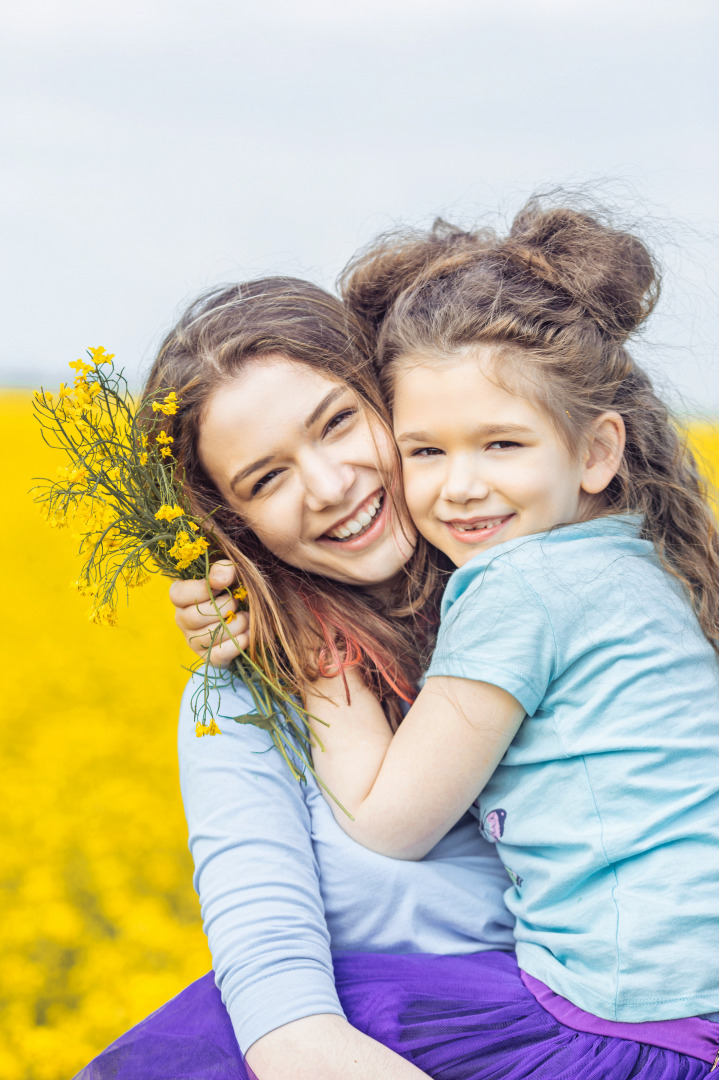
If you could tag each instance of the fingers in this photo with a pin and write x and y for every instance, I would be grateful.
(223, 654)
(214, 636)
(222, 575)
(198, 617)
(188, 593)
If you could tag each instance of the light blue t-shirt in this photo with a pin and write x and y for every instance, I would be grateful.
(605, 808)
(282, 886)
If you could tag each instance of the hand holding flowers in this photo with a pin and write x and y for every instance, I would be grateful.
(122, 495)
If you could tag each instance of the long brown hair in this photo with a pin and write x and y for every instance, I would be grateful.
(296, 619)
(557, 297)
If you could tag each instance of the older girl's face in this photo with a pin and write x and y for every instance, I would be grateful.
(305, 465)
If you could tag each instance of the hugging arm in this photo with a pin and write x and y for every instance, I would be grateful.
(258, 882)
(405, 792)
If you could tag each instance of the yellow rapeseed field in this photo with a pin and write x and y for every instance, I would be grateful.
(100, 923)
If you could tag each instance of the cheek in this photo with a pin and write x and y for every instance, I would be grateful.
(279, 539)
(417, 493)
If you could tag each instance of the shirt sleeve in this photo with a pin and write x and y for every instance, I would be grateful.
(498, 631)
(255, 873)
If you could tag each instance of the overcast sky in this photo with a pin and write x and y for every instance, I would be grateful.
(155, 147)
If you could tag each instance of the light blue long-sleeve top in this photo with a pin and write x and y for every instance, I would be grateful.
(281, 886)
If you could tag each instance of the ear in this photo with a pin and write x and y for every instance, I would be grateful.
(603, 453)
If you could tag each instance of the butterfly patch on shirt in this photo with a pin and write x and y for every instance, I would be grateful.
(491, 824)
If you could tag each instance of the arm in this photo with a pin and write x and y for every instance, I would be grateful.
(257, 877)
(405, 792)
(327, 1047)
(196, 617)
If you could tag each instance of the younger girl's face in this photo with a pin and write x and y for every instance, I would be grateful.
(304, 464)
(480, 464)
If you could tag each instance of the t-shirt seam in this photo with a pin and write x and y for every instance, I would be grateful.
(447, 659)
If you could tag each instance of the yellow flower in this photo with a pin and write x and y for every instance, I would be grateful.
(206, 729)
(99, 356)
(81, 367)
(166, 452)
(104, 615)
(230, 615)
(168, 513)
(78, 475)
(44, 397)
(193, 526)
(240, 593)
(185, 550)
(169, 406)
(164, 439)
(85, 394)
(85, 588)
(134, 578)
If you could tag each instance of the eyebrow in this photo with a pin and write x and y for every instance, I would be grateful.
(482, 431)
(314, 416)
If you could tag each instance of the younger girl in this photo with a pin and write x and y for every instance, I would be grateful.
(574, 688)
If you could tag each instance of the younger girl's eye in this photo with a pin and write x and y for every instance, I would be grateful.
(502, 444)
(264, 480)
(338, 420)
(426, 451)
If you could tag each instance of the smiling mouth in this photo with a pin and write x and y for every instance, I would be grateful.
(477, 526)
(359, 523)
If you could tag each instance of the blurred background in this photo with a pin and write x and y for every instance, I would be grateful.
(155, 147)
(152, 148)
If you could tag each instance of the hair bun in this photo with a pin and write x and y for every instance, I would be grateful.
(397, 260)
(609, 272)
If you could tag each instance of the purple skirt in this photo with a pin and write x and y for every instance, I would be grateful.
(454, 1017)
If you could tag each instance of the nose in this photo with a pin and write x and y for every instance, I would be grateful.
(326, 480)
(463, 481)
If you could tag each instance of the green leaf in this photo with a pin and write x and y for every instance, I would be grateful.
(267, 723)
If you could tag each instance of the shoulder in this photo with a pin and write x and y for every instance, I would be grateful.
(565, 562)
(237, 751)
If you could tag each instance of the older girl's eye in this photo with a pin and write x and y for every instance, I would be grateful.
(338, 420)
(426, 451)
(502, 444)
(263, 481)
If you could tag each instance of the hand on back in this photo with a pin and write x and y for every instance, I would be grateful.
(196, 614)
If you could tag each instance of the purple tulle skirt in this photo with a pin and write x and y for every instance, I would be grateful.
(454, 1017)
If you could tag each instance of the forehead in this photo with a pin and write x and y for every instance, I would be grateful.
(276, 385)
(467, 384)
(262, 409)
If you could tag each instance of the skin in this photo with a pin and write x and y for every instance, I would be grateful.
(346, 1052)
(298, 457)
(322, 458)
(474, 455)
(482, 466)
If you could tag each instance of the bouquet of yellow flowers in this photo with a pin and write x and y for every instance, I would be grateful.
(122, 494)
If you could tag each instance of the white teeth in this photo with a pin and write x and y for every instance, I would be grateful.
(477, 528)
(356, 524)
